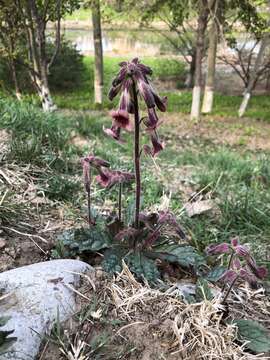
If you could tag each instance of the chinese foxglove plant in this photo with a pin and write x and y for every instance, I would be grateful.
(241, 265)
(133, 80)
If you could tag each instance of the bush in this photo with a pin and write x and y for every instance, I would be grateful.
(68, 69)
(66, 72)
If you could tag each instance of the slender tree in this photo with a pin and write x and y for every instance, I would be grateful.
(97, 34)
(201, 29)
(10, 27)
(265, 43)
(208, 98)
(35, 16)
(254, 75)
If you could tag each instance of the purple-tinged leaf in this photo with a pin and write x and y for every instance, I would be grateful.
(216, 249)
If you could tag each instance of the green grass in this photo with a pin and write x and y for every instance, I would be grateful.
(239, 183)
(83, 97)
(178, 100)
(80, 14)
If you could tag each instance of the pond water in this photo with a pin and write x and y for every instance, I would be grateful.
(122, 42)
(135, 42)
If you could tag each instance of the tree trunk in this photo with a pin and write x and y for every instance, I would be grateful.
(196, 94)
(253, 77)
(208, 98)
(97, 33)
(189, 82)
(15, 79)
(37, 46)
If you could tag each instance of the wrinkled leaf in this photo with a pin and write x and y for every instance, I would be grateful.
(216, 274)
(203, 291)
(257, 336)
(143, 267)
(183, 255)
(112, 261)
(78, 241)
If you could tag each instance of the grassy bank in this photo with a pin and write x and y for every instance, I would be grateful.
(234, 179)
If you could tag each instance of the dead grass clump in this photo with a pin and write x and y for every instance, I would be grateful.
(160, 325)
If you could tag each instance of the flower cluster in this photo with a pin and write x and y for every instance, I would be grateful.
(106, 177)
(242, 264)
(133, 76)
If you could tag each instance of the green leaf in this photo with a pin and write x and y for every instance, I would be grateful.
(143, 267)
(216, 274)
(203, 291)
(257, 336)
(78, 241)
(112, 261)
(183, 255)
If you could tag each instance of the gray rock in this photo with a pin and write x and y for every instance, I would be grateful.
(38, 295)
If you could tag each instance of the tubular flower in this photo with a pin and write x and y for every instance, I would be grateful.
(114, 132)
(107, 178)
(157, 145)
(96, 161)
(135, 74)
(217, 249)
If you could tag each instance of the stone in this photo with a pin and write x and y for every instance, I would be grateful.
(35, 296)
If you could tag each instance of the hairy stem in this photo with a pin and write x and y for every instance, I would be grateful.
(228, 268)
(137, 156)
(120, 202)
(89, 200)
(229, 290)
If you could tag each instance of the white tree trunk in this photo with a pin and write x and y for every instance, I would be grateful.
(208, 100)
(45, 97)
(244, 104)
(97, 34)
(196, 103)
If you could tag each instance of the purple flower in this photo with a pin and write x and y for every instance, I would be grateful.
(145, 90)
(235, 241)
(151, 122)
(96, 161)
(229, 276)
(259, 271)
(107, 178)
(121, 119)
(115, 133)
(157, 145)
(216, 249)
(241, 250)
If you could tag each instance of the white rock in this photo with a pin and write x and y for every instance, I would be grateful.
(38, 293)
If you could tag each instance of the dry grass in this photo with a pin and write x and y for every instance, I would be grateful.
(160, 325)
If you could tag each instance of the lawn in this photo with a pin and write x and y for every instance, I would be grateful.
(179, 99)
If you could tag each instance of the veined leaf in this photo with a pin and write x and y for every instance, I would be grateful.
(183, 255)
(112, 261)
(203, 291)
(143, 267)
(256, 336)
(77, 241)
(216, 274)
